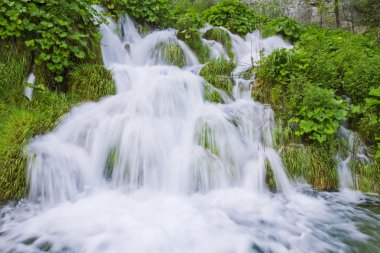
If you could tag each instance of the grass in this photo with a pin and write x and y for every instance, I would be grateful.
(369, 177)
(18, 125)
(218, 73)
(90, 82)
(202, 51)
(222, 37)
(309, 162)
(15, 61)
(173, 54)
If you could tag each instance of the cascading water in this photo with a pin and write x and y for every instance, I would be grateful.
(156, 168)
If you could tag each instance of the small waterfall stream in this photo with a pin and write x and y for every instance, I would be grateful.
(156, 168)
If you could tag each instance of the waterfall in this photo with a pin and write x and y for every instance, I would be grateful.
(158, 132)
(349, 146)
(157, 168)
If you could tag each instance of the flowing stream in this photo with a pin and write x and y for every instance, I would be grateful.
(157, 169)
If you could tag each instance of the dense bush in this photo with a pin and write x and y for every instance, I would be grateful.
(323, 65)
(59, 31)
(235, 16)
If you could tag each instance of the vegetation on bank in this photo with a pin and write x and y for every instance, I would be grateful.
(330, 77)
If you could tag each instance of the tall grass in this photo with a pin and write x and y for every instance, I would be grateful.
(90, 82)
(18, 125)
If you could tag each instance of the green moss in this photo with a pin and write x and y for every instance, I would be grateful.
(205, 137)
(211, 94)
(218, 73)
(222, 37)
(369, 177)
(172, 54)
(15, 61)
(91, 82)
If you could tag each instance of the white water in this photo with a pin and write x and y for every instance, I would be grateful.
(28, 91)
(350, 145)
(156, 168)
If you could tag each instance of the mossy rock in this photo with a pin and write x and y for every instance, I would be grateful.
(222, 37)
(218, 73)
(90, 82)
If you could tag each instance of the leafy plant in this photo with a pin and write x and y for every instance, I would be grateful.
(59, 31)
(319, 114)
(289, 28)
(235, 16)
(153, 12)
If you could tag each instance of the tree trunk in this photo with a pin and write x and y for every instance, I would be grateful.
(337, 14)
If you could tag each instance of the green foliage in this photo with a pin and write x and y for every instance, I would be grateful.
(59, 31)
(319, 114)
(235, 16)
(218, 73)
(321, 62)
(290, 29)
(91, 82)
(222, 37)
(188, 24)
(152, 12)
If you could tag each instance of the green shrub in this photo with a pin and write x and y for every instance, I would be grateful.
(59, 31)
(290, 29)
(152, 12)
(319, 114)
(222, 37)
(218, 73)
(322, 60)
(188, 25)
(235, 16)
(91, 82)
